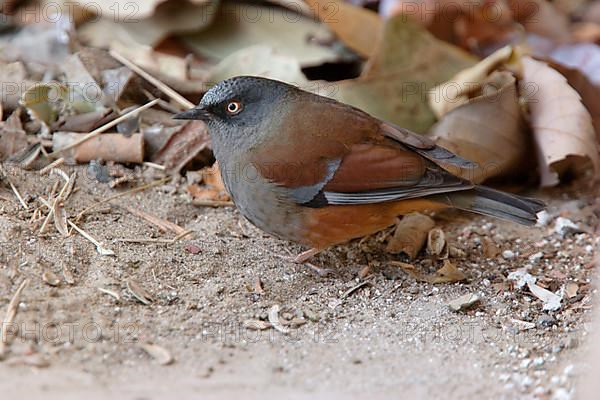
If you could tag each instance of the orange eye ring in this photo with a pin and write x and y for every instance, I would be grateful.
(234, 107)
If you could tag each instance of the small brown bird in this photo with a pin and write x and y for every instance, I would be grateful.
(318, 172)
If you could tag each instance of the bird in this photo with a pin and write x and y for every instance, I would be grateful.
(318, 172)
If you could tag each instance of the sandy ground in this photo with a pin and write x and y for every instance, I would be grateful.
(391, 337)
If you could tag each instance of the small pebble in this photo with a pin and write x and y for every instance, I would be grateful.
(546, 321)
(508, 254)
(568, 371)
(564, 226)
(536, 257)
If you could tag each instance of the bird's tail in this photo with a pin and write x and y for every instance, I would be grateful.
(487, 201)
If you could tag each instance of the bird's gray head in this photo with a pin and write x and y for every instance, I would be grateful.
(238, 110)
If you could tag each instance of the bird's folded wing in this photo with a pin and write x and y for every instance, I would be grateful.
(342, 155)
(428, 149)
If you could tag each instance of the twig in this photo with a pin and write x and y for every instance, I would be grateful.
(103, 128)
(11, 313)
(56, 201)
(16, 192)
(354, 289)
(154, 165)
(153, 219)
(4, 174)
(185, 103)
(212, 203)
(116, 196)
(53, 164)
(101, 250)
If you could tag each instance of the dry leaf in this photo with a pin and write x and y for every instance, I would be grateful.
(410, 235)
(551, 300)
(183, 146)
(14, 81)
(274, 320)
(13, 138)
(449, 95)
(436, 242)
(586, 32)
(259, 60)
(571, 289)
(50, 278)
(60, 219)
(562, 126)
(243, 25)
(159, 353)
(357, 27)
(542, 18)
(488, 129)
(407, 62)
(464, 302)
(257, 325)
(447, 274)
(586, 89)
(214, 188)
(148, 28)
(490, 249)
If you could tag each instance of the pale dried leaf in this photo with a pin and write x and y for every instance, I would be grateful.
(490, 249)
(561, 125)
(60, 219)
(464, 302)
(551, 300)
(274, 320)
(571, 289)
(257, 325)
(436, 241)
(395, 81)
(447, 274)
(410, 235)
(301, 39)
(259, 60)
(357, 27)
(488, 129)
(50, 278)
(449, 95)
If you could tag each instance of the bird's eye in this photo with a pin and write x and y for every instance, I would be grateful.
(234, 107)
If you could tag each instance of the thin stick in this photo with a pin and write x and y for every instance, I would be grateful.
(54, 204)
(53, 164)
(154, 165)
(103, 128)
(103, 251)
(16, 192)
(185, 103)
(116, 196)
(11, 313)
(162, 224)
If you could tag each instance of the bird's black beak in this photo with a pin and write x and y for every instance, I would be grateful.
(194, 113)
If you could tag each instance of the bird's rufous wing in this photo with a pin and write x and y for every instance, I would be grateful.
(343, 156)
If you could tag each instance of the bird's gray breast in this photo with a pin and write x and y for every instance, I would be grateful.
(263, 203)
